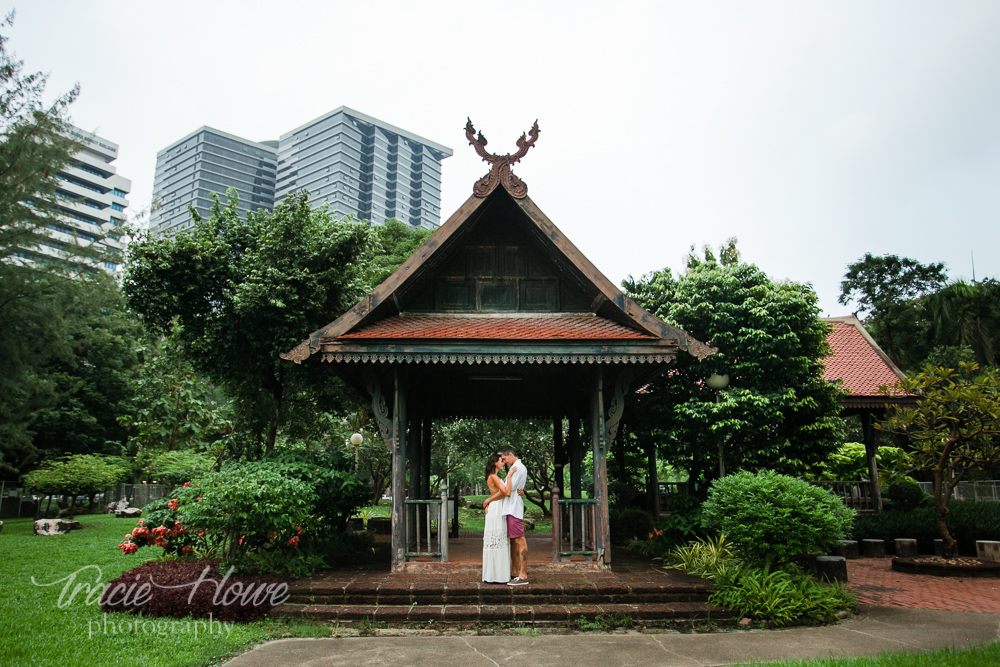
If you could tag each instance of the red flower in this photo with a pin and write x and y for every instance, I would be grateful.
(294, 541)
(187, 484)
(201, 533)
(186, 550)
(271, 536)
(173, 504)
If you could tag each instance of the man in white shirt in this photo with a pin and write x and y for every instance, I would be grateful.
(513, 511)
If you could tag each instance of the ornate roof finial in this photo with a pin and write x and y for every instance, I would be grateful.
(500, 164)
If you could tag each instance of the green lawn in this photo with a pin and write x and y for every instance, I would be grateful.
(35, 630)
(981, 656)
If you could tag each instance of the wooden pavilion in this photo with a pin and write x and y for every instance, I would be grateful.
(865, 369)
(498, 314)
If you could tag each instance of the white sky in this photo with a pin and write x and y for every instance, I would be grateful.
(814, 132)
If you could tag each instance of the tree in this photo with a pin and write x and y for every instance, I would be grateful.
(68, 359)
(76, 475)
(968, 314)
(954, 428)
(245, 290)
(778, 412)
(175, 408)
(530, 439)
(394, 243)
(887, 292)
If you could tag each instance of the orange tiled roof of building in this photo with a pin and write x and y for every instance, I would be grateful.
(563, 327)
(857, 359)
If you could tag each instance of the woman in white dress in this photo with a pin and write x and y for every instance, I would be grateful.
(496, 546)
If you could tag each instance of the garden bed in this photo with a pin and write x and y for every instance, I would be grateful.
(947, 567)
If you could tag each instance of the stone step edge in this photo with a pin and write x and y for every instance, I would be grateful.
(497, 613)
(297, 588)
(497, 599)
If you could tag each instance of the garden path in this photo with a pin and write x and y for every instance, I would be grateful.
(875, 582)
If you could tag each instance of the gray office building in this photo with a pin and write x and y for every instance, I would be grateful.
(210, 161)
(352, 163)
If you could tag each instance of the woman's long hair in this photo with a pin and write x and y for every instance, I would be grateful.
(491, 465)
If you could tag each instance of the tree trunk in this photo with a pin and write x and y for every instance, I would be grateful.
(272, 426)
(941, 503)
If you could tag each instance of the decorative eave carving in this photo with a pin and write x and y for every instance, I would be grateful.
(500, 173)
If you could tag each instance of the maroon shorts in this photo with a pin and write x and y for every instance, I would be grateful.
(515, 527)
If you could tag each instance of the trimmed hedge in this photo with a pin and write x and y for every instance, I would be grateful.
(163, 589)
(968, 521)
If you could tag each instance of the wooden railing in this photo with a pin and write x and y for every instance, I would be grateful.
(858, 495)
(419, 514)
(573, 528)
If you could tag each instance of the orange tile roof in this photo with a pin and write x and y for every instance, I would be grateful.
(857, 361)
(568, 327)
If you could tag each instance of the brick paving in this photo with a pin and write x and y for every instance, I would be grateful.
(875, 582)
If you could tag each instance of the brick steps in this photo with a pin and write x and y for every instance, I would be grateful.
(520, 613)
(501, 595)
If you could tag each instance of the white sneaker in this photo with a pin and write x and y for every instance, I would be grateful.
(517, 581)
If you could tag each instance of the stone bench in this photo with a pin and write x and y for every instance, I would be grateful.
(873, 548)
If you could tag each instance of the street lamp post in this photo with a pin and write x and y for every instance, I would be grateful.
(717, 383)
(356, 440)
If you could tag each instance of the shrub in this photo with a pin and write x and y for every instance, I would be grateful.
(706, 558)
(346, 548)
(683, 525)
(168, 593)
(179, 466)
(904, 494)
(339, 492)
(775, 519)
(968, 520)
(629, 523)
(778, 597)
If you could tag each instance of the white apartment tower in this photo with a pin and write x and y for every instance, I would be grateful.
(349, 162)
(92, 200)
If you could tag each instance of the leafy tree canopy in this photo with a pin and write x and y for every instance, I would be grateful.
(954, 429)
(886, 292)
(778, 412)
(245, 290)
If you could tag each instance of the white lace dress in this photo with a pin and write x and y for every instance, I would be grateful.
(496, 547)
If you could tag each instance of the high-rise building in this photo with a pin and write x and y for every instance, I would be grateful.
(210, 161)
(92, 199)
(361, 165)
(350, 162)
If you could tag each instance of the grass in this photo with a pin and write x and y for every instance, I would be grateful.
(475, 520)
(980, 656)
(37, 631)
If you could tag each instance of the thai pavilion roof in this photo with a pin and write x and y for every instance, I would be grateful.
(582, 313)
(862, 365)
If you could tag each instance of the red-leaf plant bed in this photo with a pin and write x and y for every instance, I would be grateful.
(947, 567)
(198, 589)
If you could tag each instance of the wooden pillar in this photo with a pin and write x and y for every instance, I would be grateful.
(602, 530)
(559, 452)
(398, 472)
(575, 458)
(871, 451)
(415, 459)
(425, 467)
(652, 481)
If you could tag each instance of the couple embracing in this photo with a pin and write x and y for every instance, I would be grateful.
(505, 551)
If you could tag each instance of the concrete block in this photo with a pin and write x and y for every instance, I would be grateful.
(832, 568)
(847, 549)
(873, 548)
(939, 548)
(906, 548)
(988, 550)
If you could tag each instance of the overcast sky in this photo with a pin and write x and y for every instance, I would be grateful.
(814, 132)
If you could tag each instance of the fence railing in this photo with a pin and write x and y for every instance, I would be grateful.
(573, 531)
(983, 490)
(427, 518)
(858, 495)
(17, 500)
